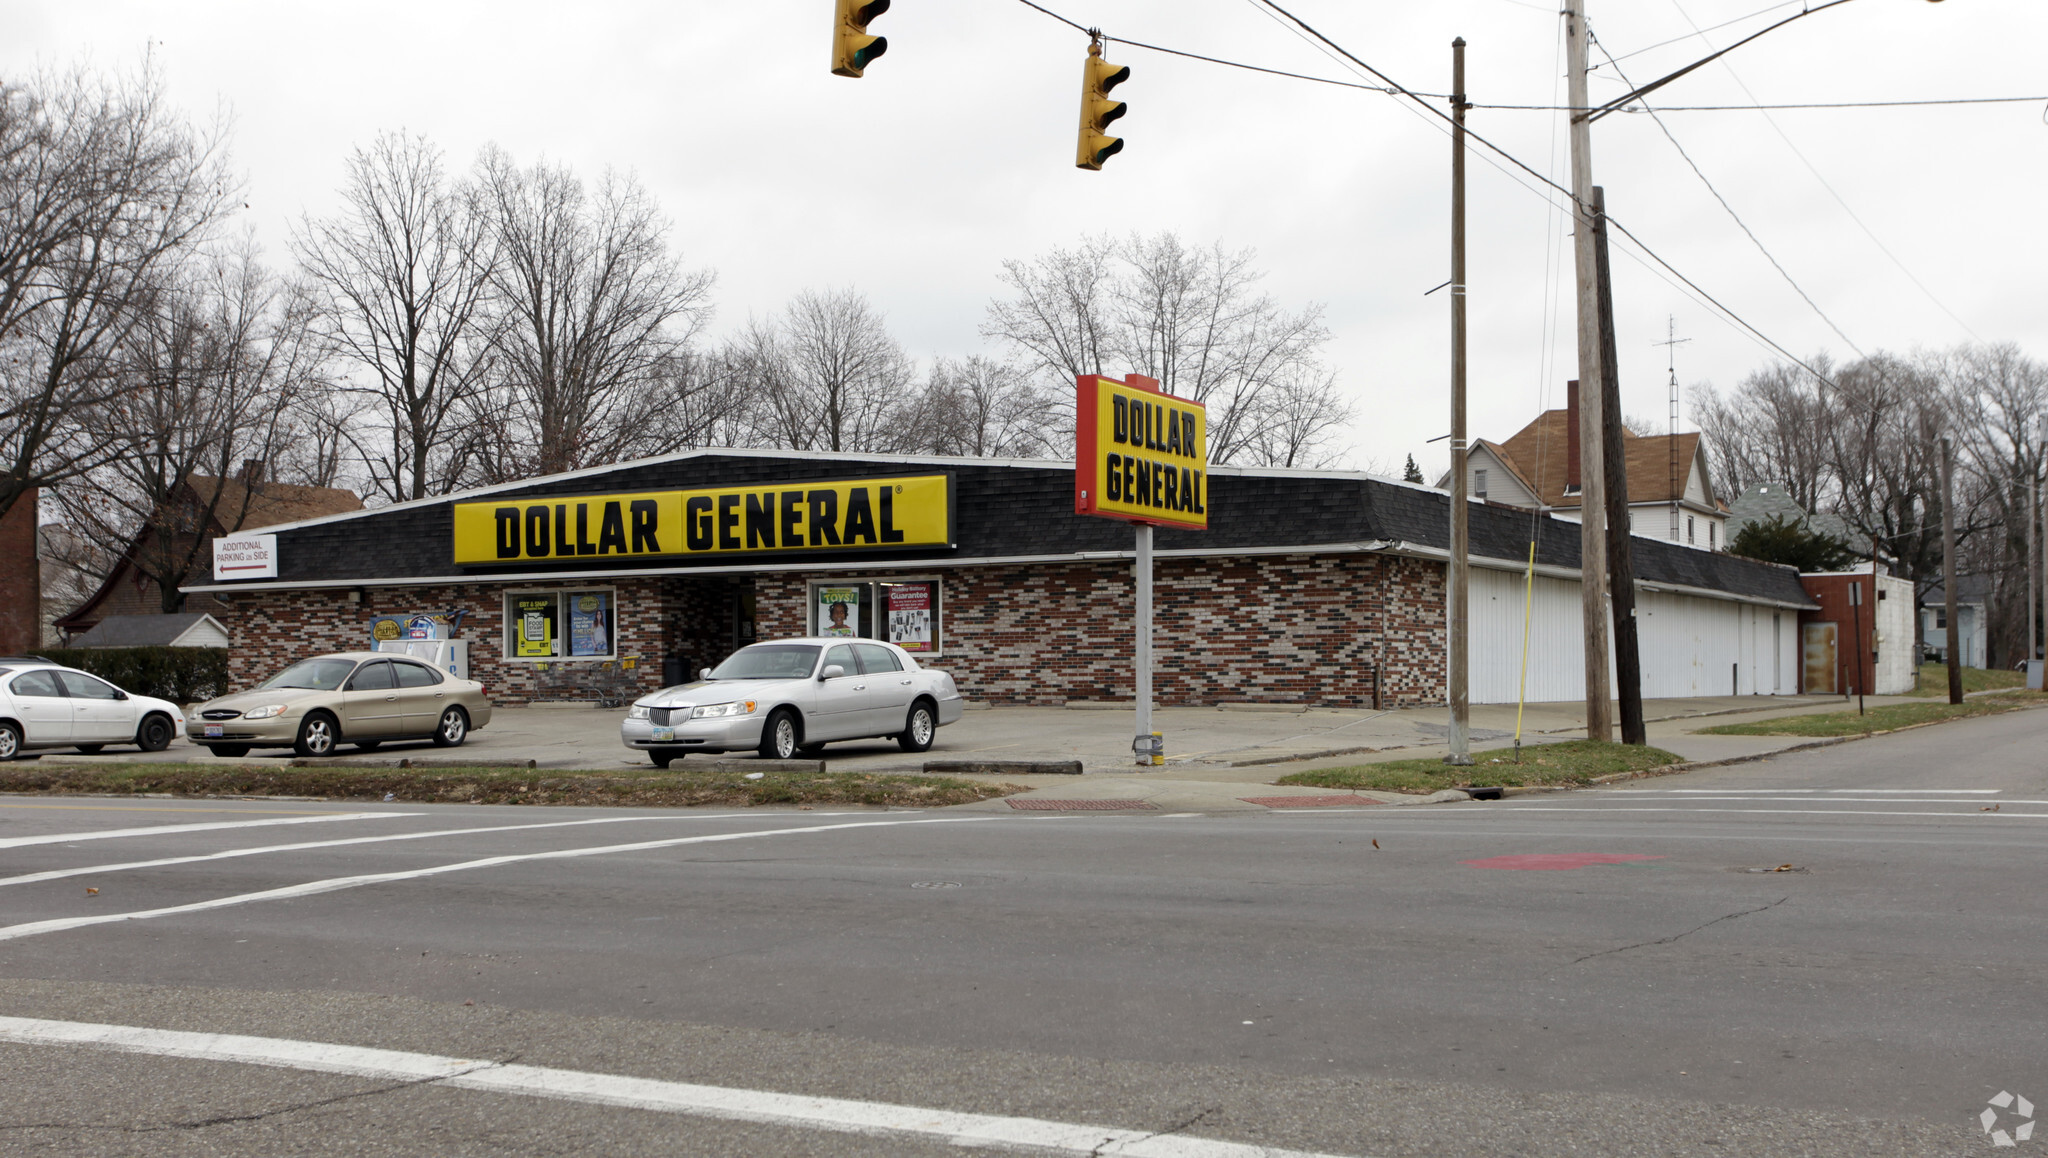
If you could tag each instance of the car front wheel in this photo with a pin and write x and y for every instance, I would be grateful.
(10, 741)
(662, 757)
(453, 729)
(918, 728)
(154, 735)
(780, 737)
(318, 734)
(231, 751)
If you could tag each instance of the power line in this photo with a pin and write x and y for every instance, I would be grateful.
(1699, 32)
(1867, 231)
(1737, 217)
(1395, 88)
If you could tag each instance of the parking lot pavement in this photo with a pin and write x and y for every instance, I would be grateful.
(1235, 744)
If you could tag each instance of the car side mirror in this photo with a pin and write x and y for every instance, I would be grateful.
(703, 673)
(832, 672)
(349, 686)
(120, 695)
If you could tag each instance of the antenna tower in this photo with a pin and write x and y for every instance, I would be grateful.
(1671, 343)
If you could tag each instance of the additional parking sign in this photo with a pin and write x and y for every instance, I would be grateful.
(245, 557)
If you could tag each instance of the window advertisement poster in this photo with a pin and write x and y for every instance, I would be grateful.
(589, 623)
(839, 611)
(533, 626)
(910, 616)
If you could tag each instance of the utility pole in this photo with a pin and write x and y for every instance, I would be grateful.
(1948, 571)
(1592, 396)
(1621, 567)
(1460, 585)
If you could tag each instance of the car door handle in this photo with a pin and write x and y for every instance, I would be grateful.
(390, 699)
(905, 683)
(860, 687)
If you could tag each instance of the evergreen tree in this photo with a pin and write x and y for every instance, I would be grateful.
(1411, 472)
(1783, 540)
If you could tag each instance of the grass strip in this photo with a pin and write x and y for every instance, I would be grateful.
(1569, 763)
(1877, 719)
(655, 788)
(1933, 680)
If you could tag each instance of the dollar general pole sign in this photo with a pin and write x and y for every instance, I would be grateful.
(1141, 455)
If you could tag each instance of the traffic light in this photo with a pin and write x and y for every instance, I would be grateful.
(852, 47)
(1097, 110)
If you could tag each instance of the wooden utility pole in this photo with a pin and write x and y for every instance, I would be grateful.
(1460, 585)
(1592, 505)
(1948, 571)
(1621, 567)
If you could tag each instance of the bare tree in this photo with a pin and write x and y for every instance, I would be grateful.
(101, 184)
(208, 379)
(1997, 397)
(1191, 318)
(403, 271)
(590, 314)
(827, 374)
(1298, 417)
(975, 407)
(1771, 429)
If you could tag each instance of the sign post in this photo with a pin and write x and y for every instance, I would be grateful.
(1142, 456)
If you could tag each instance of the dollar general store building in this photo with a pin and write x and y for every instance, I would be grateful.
(1309, 587)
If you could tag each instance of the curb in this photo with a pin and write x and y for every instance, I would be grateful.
(1005, 767)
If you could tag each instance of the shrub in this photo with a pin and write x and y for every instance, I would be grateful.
(182, 675)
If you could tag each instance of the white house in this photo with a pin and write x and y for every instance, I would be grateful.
(1671, 496)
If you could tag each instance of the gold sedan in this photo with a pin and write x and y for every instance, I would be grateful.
(356, 697)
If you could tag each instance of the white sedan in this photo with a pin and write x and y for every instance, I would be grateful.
(44, 705)
(793, 696)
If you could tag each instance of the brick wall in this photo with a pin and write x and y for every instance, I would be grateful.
(1309, 629)
(271, 629)
(1275, 629)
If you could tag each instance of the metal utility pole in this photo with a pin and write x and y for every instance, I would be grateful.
(1592, 504)
(2042, 560)
(2033, 557)
(1460, 585)
(1621, 567)
(1143, 565)
(1948, 571)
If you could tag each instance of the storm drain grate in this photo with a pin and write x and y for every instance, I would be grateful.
(1040, 805)
(1308, 801)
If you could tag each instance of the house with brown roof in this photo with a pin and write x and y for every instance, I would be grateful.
(200, 510)
(1671, 495)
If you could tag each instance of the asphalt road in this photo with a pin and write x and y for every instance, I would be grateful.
(1608, 979)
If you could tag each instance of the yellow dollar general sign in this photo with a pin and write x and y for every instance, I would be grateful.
(1140, 455)
(798, 516)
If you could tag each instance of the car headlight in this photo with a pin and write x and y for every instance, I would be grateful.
(736, 708)
(637, 712)
(264, 712)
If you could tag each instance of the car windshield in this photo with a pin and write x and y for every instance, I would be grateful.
(321, 675)
(769, 661)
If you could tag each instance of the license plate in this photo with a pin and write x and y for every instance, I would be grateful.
(213, 729)
(664, 735)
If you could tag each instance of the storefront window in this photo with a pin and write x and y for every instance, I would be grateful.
(544, 625)
(906, 612)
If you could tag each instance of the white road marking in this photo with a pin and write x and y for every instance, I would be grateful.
(1777, 791)
(180, 829)
(1972, 802)
(1768, 812)
(844, 1115)
(227, 854)
(336, 884)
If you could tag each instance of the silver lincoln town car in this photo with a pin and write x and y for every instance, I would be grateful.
(793, 696)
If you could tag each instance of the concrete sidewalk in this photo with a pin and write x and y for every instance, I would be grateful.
(1217, 758)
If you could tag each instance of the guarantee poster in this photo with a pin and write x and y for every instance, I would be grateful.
(589, 626)
(910, 616)
(839, 611)
(534, 628)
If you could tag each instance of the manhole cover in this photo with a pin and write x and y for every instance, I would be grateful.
(935, 884)
(1308, 801)
(1042, 805)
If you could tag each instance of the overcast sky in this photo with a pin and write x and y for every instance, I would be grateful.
(956, 152)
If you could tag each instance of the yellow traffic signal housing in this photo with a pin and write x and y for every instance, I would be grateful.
(1097, 110)
(852, 47)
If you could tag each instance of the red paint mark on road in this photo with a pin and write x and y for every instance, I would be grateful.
(1309, 801)
(1039, 804)
(1556, 861)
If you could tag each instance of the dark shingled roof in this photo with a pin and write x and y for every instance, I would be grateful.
(142, 630)
(1006, 509)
